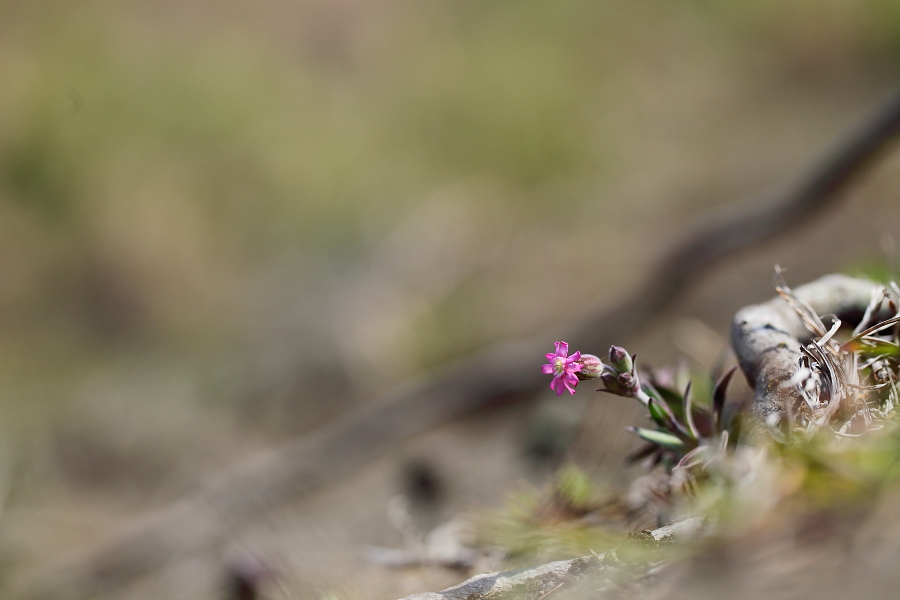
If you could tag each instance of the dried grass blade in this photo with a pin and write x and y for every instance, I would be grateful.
(879, 294)
(834, 328)
(803, 310)
(835, 380)
(874, 328)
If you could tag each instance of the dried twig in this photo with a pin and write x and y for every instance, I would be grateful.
(209, 515)
(536, 583)
(533, 583)
(768, 338)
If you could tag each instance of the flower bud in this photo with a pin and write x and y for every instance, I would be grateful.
(621, 384)
(611, 382)
(620, 360)
(591, 367)
(628, 382)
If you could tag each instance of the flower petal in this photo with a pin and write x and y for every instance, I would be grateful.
(557, 385)
(562, 349)
(547, 369)
(570, 381)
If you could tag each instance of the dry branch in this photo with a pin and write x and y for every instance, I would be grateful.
(524, 584)
(211, 514)
(767, 337)
(604, 571)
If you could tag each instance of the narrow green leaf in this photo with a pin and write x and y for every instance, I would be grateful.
(672, 398)
(657, 413)
(668, 419)
(660, 438)
(689, 413)
(719, 397)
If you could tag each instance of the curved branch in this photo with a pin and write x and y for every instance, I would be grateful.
(767, 337)
(524, 584)
(606, 573)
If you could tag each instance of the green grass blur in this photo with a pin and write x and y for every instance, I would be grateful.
(218, 217)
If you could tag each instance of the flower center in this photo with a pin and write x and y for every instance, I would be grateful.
(559, 366)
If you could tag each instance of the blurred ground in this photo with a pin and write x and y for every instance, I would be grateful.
(223, 225)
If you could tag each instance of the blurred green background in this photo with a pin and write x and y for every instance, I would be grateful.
(222, 224)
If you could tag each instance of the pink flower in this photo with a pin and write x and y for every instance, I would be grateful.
(563, 368)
